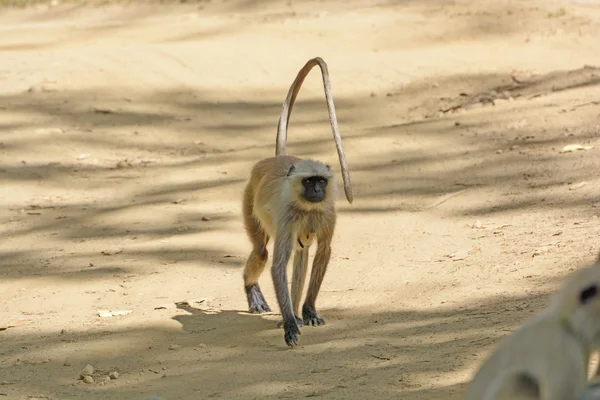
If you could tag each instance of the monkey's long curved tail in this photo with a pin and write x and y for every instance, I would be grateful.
(286, 111)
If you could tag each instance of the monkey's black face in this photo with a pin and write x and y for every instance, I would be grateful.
(314, 188)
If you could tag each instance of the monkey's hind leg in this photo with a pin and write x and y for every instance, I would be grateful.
(255, 265)
(309, 312)
(256, 262)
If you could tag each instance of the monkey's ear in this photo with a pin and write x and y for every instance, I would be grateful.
(328, 167)
(292, 168)
(588, 293)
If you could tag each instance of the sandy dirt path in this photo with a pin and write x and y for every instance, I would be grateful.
(127, 133)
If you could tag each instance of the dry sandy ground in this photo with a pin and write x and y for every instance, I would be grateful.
(126, 136)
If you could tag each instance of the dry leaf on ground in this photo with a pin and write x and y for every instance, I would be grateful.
(108, 313)
(575, 147)
(456, 256)
(577, 185)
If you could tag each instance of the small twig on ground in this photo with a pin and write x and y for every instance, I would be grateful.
(380, 357)
(444, 198)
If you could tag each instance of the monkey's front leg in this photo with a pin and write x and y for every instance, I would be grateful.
(309, 312)
(281, 256)
(298, 278)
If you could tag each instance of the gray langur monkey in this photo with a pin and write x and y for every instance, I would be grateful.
(291, 200)
(548, 357)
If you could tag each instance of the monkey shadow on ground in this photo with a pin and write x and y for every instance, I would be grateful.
(172, 184)
(106, 184)
(359, 353)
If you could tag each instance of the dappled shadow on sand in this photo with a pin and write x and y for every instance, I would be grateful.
(140, 144)
(332, 361)
(121, 14)
(128, 187)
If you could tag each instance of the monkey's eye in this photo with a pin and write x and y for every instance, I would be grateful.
(323, 182)
(307, 181)
(588, 293)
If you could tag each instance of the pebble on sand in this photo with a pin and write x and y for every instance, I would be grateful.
(87, 371)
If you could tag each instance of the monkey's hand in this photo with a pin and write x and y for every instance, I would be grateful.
(292, 332)
(310, 316)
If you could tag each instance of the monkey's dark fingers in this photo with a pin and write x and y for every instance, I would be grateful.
(256, 301)
(315, 321)
(291, 332)
(310, 316)
(260, 308)
(291, 338)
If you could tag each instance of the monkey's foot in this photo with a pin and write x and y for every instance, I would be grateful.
(256, 301)
(299, 322)
(309, 315)
(291, 332)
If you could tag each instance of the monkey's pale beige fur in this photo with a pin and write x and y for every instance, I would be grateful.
(547, 358)
(272, 188)
(292, 201)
